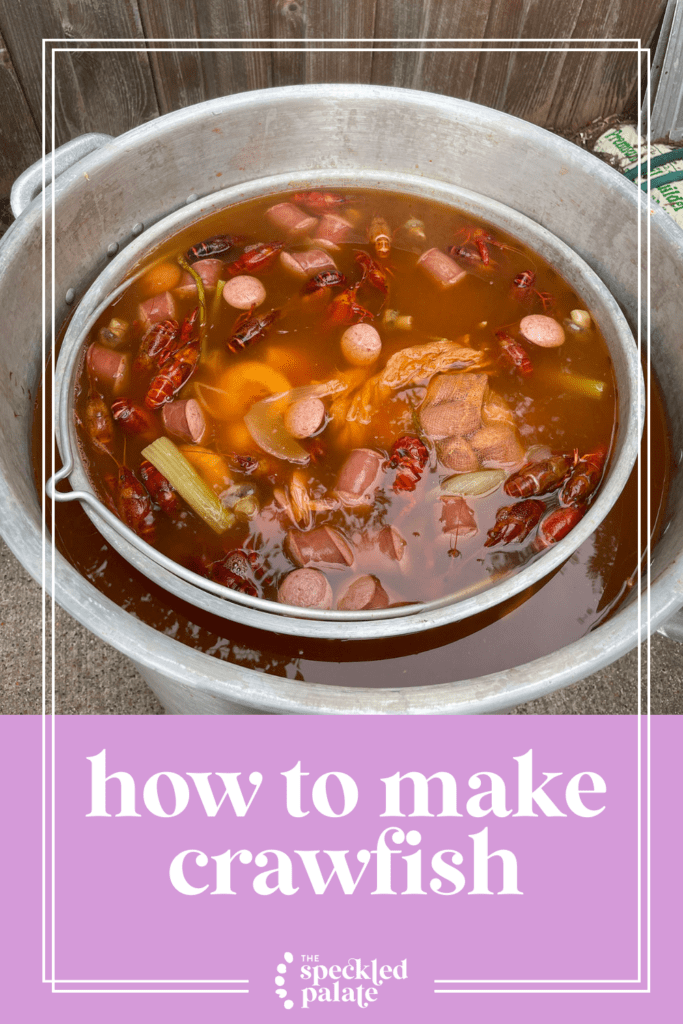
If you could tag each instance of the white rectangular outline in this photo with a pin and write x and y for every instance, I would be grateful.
(279, 49)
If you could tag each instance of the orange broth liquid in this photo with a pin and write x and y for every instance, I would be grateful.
(299, 348)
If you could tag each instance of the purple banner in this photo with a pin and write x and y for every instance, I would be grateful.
(292, 865)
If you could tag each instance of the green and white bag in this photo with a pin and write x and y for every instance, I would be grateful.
(666, 167)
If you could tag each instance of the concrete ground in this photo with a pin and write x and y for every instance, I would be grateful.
(94, 679)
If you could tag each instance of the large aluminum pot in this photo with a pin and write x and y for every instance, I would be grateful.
(334, 624)
(104, 200)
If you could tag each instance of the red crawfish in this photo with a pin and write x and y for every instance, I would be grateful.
(410, 456)
(325, 279)
(175, 372)
(379, 234)
(539, 477)
(133, 419)
(236, 568)
(557, 524)
(315, 448)
(320, 202)
(98, 422)
(249, 328)
(156, 345)
(514, 354)
(475, 247)
(255, 258)
(160, 489)
(211, 247)
(372, 272)
(585, 476)
(523, 290)
(134, 505)
(515, 522)
(187, 330)
(344, 310)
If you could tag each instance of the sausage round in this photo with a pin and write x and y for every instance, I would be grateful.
(243, 292)
(361, 344)
(542, 331)
(305, 417)
(305, 588)
(363, 592)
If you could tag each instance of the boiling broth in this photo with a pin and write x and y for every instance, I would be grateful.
(301, 346)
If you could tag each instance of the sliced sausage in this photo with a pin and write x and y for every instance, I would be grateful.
(153, 311)
(305, 417)
(391, 543)
(305, 588)
(243, 292)
(321, 545)
(542, 330)
(185, 420)
(332, 230)
(363, 592)
(210, 272)
(361, 344)
(441, 268)
(306, 265)
(359, 477)
(457, 517)
(109, 367)
(288, 217)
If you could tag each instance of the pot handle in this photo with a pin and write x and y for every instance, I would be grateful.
(29, 184)
(673, 627)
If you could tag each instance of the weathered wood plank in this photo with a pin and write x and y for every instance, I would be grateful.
(353, 19)
(94, 91)
(288, 21)
(563, 89)
(20, 138)
(185, 78)
(433, 69)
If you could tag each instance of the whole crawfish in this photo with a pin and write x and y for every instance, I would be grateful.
(98, 422)
(325, 279)
(372, 272)
(344, 310)
(558, 523)
(319, 202)
(410, 456)
(249, 328)
(132, 418)
(475, 247)
(539, 477)
(215, 246)
(585, 476)
(379, 234)
(234, 571)
(160, 489)
(515, 522)
(255, 258)
(156, 345)
(175, 372)
(514, 354)
(134, 505)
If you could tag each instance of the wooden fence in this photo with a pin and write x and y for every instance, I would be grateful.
(100, 88)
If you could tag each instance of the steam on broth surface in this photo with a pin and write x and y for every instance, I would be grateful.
(366, 399)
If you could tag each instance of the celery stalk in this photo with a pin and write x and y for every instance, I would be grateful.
(589, 387)
(172, 464)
